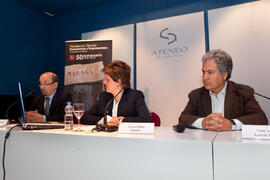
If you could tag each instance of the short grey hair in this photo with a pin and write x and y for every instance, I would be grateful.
(222, 59)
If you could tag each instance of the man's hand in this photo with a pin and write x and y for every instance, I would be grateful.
(34, 116)
(216, 122)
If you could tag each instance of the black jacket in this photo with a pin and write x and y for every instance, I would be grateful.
(57, 108)
(131, 106)
(240, 104)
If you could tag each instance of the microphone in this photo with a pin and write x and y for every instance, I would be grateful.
(105, 127)
(179, 128)
(239, 87)
(106, 107)
(13, 104)
(104, 87)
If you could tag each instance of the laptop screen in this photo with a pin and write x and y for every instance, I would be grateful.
(21, 100)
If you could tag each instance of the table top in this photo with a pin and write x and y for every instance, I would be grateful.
(160, 133)
(236, 137)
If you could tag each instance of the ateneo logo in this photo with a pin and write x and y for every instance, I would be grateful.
(174, 49)
(171, 37)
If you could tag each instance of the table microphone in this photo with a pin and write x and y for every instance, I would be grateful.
(13, 104)
(105, 127)
(239, 87)
(179, 128)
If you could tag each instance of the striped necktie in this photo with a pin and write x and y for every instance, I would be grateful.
(47, 106)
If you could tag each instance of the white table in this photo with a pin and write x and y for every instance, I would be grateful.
(60, 155)
(240, 159)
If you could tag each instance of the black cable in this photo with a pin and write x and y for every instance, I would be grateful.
(105, 110)
(262, 95)
(104, 127)
(9, 107)
(4, 150)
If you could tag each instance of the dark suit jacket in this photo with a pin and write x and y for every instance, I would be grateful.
(240, 104)
(131, 106)
(57, 108)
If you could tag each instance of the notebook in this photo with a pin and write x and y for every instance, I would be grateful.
(35, 126)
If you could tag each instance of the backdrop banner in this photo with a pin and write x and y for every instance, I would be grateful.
(84, 62)
(123, 43)
(169, 55)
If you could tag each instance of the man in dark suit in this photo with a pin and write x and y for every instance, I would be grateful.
(49, 106)
(221, 104)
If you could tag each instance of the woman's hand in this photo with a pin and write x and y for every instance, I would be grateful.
(115, 121)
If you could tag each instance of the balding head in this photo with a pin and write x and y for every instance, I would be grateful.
(51, 75)
(48, 83)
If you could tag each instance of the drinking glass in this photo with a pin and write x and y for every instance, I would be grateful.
(78, 112)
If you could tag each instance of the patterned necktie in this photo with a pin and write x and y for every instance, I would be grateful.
(47, 106)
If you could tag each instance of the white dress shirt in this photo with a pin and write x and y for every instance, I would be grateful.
(115, 108)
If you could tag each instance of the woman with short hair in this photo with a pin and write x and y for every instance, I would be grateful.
(120, 102)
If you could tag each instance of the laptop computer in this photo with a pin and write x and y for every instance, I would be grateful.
(35, 126)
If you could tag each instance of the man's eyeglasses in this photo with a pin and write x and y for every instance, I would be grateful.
(48, 84)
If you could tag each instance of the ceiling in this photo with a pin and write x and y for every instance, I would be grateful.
(62, 7)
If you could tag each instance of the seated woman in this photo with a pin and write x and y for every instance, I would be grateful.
(123, 103)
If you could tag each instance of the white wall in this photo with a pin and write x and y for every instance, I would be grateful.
(244, 32)
(167, 78)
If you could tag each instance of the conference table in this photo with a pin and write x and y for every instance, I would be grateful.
(63, 155)
(240, 159)
(195, 154)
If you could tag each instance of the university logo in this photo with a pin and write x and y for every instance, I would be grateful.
(170, 37)
(173, 48)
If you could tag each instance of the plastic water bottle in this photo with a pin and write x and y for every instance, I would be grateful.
(68, 119)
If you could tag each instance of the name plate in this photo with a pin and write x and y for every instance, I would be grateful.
(3, 122)
(136, 128)
(255, 132)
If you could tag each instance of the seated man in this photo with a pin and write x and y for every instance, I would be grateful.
(221, 105)
(50, 105)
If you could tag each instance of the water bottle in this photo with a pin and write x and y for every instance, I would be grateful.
(68, 119)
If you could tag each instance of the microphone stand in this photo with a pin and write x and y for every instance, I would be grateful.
(105, 127)
(262, 95)
(239, 87)
(13, 104)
